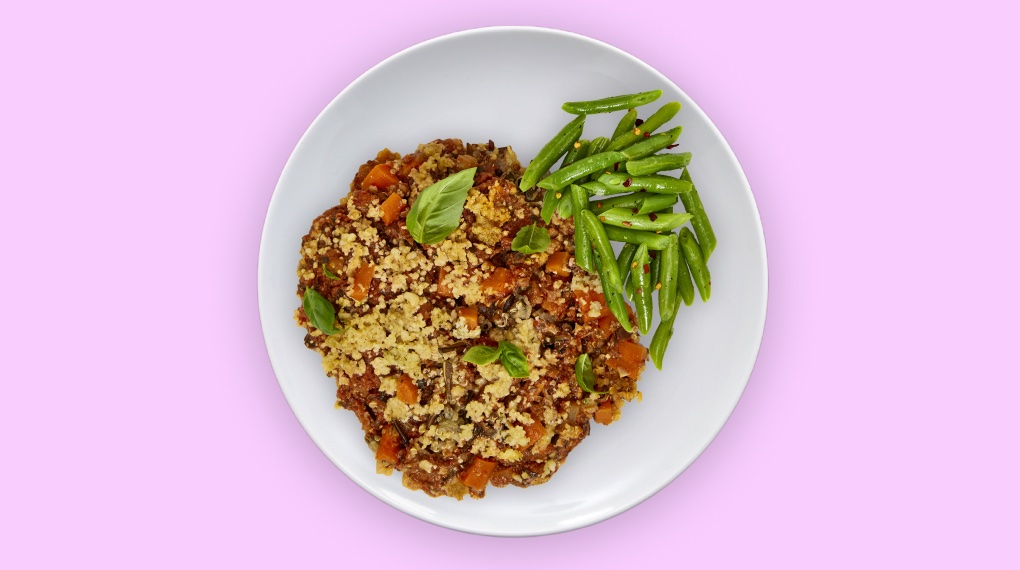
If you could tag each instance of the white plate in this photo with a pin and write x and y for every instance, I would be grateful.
(507, 84)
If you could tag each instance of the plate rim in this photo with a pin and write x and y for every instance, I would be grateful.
(274, 204)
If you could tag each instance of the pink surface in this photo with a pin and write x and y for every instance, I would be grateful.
(141, 423)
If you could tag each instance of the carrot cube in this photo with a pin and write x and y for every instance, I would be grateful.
(478, 473)
(380, 176)
(362, 280)
(391, 208)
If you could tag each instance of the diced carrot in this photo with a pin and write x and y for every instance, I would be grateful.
(632, 351)
(607, 322)
(604, 415)
(478, 473)
(380, 176)
(501, 282)
(391, 208)
(362, 279)
(632, 356)
(407, 391)
(389, 445)
(442, 287)
(584, 302)
(558, 264)
(535, 430)
(470, 316)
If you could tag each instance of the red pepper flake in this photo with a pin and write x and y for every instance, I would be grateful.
(648, 135)
(651, 216)
(638, 291)
(633, 210)
(626, 183)
(651, 254)
(626, 224)
(492, 145)
(616, 166)
(646, 268)
(599, 206)
(603, 218)
(638, 122)
(674, 145)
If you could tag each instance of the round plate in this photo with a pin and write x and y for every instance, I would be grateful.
(507, 85)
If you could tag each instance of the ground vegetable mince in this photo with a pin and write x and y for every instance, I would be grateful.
(406, 313)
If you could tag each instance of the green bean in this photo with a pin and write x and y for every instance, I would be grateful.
(670, 262)
(552, 151)
(655, 241)
(613, 298)
(576, 152)
(582, 244)
(643, 293)
(660, 340)
(652, 144)
(598, 145)
(626, 123)
(624, 201)
(630, 286)
(658, 163)
(699, 271)
(654, 264)
(599, 239)
(595, 163)
(616, 181)
(610, 104)
(596, 188)
(565, 206)
(549, 203)
(656, 120)
(684, 285)
(625, 259)
(625, 218)
(658, 203)
(702, 227)
(639, 200)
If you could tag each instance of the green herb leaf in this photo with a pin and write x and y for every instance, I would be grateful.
(513, 360)
(584, 374)
(531, 239)
(328, 273)
(320, 311)
(482, 354)
(436, 212)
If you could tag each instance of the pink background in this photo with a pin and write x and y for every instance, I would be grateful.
(141, 423)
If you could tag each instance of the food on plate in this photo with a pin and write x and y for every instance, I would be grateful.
(458, 356)
(474, 314)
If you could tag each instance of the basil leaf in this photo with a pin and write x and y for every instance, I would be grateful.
(482, 354)
(330, 274)
(320, 311)
(584, 374)
(531, 239)
(436, 212)
(513, 360)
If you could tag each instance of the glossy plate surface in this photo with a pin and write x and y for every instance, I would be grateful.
(507, 85)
